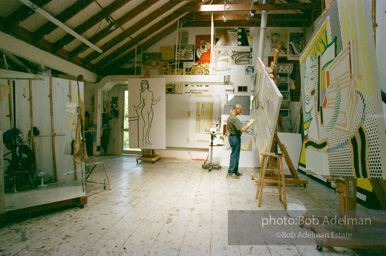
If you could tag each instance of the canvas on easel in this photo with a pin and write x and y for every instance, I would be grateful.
(265, 109)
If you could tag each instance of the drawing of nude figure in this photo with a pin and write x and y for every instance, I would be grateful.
(145, 108)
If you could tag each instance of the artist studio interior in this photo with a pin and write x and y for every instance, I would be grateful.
(203, 127)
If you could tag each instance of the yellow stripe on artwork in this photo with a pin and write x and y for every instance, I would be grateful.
(365, 184)
(323, 28)
(354, 28)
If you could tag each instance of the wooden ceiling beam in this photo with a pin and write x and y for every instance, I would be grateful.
(242, 17)
(23, 13)
(246, 7)
(63, 17)
(27, 36)
(153, 29)
(246, 23)
(115, 5)
(121, 21)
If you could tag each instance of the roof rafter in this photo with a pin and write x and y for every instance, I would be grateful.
(89, 23)
(246, 7)
(129, 31)
(153, 29)
(26, 36)
(121, 21)
(63, 17)
(141, 47)
(23, 13)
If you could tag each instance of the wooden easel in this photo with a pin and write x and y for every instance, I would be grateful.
(346, 189)
(148, 155)
(292, 178)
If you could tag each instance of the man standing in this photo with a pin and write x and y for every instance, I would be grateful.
(235, 129)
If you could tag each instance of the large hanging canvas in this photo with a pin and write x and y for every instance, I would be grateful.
(232, 37)
(185, 52)
(151, 60)
(266, 106)
(295, 45)
(147, 119)
(167, 52)
(202, 49)
(343, 119)
(279, 40)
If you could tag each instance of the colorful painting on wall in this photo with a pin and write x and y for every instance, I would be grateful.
(202, 49)
(295, 45)
(343, 117)
(191, 68)
(279, 40)
(265, 109)
(249, 70)
(185, 52)
(232, 37)
(167, 52)
(151, 60)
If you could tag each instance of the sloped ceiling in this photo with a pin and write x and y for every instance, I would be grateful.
(140, 23)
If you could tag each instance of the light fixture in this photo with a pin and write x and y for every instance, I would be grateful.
(112, 24)
(226, 7)
(60, 24)
(251, 14)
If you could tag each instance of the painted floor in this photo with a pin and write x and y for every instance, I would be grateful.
(171, 207)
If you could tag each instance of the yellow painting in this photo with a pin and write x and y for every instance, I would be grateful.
(204, 116)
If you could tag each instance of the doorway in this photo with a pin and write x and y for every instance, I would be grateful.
(125, 131)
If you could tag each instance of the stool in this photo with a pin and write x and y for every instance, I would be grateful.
(93, 165)
(273, 178)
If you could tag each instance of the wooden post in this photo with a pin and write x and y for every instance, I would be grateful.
(53, 132)
(10, 105)
(346, 189)
(273, 64)
(31, 113)
(70, 100)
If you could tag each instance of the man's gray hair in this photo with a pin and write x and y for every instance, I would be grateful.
(236, 106)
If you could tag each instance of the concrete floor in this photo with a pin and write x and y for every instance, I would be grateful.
(171, 207)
